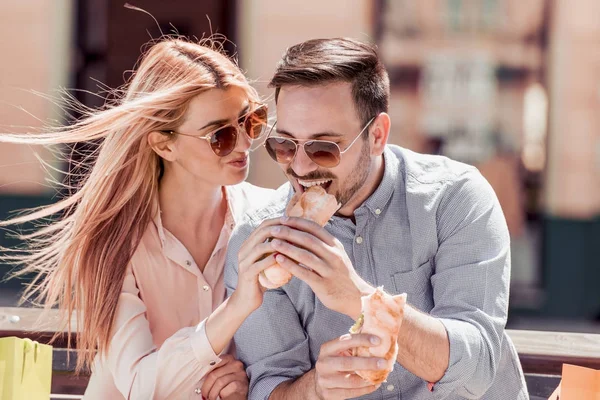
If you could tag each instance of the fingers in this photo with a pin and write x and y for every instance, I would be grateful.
(227, 365)
(302, 256)
(301, 239)
(261, 265)
(235, 388)
(311, 227)
(259, 235)
(344, 380)
(255, 254)
(351, 364)
(348, 393)
(224, 381)
(348, 342)
(302, 273)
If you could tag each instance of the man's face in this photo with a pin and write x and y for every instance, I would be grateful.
(324, 112)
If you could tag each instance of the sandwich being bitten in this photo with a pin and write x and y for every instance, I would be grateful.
(314, 204)
(381, 316)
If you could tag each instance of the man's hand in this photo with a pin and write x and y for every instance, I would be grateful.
(228, 380)
(325, 266)
(334, 371)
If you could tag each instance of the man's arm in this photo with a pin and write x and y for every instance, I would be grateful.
(298, 389)
(460, 340)
(423, 346)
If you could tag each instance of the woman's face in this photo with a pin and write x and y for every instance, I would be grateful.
(208, 112)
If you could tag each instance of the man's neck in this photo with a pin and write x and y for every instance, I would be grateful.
(371, 184)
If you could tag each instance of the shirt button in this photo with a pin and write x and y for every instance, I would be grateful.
(188, 263)
(198, 391)
(390, 388)
(359, 240)
(378, 211)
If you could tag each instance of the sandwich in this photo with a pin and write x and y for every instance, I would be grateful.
(314, 204)
(381, 316)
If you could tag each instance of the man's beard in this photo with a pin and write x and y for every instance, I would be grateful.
(354, 182)
(357, 177)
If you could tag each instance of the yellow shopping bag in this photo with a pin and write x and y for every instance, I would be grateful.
(25, 369)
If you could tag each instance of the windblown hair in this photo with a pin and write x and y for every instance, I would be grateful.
(83, 243)
(322, 61)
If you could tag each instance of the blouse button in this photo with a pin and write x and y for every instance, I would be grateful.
(206, 288)
(212, 363)
(188, 263)
(198, 391)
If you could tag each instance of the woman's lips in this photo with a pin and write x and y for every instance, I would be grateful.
(241, 162)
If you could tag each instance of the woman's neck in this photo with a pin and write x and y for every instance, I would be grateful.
(193, 205)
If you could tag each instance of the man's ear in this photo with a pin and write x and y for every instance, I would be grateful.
(380, 132)
(163, 145)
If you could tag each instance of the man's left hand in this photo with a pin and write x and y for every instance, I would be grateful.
(324, 264)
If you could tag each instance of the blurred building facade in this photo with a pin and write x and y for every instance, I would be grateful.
(511, 87)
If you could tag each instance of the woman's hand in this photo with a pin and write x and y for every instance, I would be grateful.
(227, 381)
(251, 262)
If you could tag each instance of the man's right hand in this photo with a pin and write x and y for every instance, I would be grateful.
(334, 371)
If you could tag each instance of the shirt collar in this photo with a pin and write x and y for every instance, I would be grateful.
(380, 198)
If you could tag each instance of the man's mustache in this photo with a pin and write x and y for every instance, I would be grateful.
(312, 176)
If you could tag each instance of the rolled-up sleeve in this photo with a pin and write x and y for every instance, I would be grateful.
(140, 370)
(471, 284)
(271, 342)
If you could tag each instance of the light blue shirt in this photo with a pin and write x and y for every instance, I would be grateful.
(433, 229)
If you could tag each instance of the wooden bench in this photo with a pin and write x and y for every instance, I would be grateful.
(541, 353)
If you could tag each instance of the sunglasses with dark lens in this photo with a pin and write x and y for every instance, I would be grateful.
(322, 152)
(223, 140)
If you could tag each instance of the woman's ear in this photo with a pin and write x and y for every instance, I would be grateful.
(163, 145)
(380, 131)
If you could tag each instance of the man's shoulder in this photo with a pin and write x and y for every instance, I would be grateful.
(270, 203)
(428, 169)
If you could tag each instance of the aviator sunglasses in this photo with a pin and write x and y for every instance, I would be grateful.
(224, 139)
(322, 152)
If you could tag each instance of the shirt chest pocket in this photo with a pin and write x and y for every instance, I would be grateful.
(417, 285)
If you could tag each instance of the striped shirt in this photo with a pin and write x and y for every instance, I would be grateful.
(433, 229)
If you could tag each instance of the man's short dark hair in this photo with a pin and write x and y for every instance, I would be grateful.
(321, 61)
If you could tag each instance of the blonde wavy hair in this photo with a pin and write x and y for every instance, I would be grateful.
(80, 250)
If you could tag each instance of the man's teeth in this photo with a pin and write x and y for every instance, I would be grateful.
(308, 184)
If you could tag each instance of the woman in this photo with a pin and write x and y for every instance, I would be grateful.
(138, 250)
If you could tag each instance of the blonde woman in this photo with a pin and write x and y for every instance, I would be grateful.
(138, 251)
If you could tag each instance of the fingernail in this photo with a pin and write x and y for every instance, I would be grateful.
(280, 258)
(275, 242)
(347, 336)
(375, 340)
(381, 364)
(276, 230)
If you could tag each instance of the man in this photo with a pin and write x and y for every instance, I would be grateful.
(413, 223)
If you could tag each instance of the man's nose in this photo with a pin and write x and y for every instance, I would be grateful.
(302, 165)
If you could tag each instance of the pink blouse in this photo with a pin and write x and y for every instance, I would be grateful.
(159, 348)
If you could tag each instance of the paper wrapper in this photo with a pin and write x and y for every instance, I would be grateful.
(578, 383)
(314, 204)
(381, 316)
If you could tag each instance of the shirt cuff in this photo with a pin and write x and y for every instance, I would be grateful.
(264, 387)
(202, 348)
(465, 350)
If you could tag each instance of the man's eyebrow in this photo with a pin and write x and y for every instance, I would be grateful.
(313, 136)
(225, 121)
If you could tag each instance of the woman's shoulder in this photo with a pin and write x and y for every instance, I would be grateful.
(249, 194)
(245, 196)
